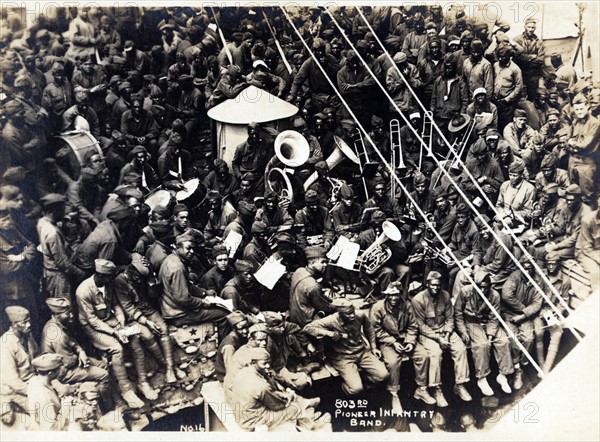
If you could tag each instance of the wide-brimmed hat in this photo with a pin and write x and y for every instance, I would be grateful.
(459, 122)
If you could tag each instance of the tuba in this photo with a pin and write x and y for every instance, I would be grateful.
(341, 150)
(378, 253)
(292, 150)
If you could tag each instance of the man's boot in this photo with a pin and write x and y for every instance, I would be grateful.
(551, 356)
(173, 373)
(439, 397)
(132, 399)
(422, 394)
(518, 379)
(503, 382)
(484, 386)
(140, 366)
(462, 392)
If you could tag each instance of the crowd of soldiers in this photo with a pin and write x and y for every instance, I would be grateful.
(90, 273)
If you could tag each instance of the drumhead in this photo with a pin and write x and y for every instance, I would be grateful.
(190, 187)
(158, 198)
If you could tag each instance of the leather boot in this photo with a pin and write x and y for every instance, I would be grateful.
(172, 373)
(551, 356)
(539, 348)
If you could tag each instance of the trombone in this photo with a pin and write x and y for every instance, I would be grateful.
(427, 136)
(367, 167)
(395, 145)
(462, 144)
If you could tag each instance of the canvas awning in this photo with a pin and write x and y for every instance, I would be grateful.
(252, 104)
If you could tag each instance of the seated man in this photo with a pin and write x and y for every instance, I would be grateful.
(58, 338)
(232, 342)
(478, 325)
(307, 298)
(516, 196)
(550, 321)
(347, 332)
(218, 275)
(520, 307)
(317, 222)
(44, 401)
(396, 329)
(18, 348)
(518, 133)
(103, 321)
(435, 316)
(181, 302)
(261, 401)
(130, 289)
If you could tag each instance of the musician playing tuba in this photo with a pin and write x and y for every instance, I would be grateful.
(392, 269)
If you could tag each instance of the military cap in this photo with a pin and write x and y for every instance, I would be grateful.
(270, 194)
(53, 198)
(246, 208)
(439, 192)
(259, 327)
(247, 36)
(479, 223)
(519, 113)
(185, 237)
(180, 208)
(285, 237)
(391, 290)
(104, 267)
(400, 57)
(479, 90)
(517, 166)
(120, 212)
(552, 111)
(481, 275)
(219, 250)
(311, 196)
(377, 217)
(125, 85)
(258, 354)
(315, 252)
(114, 79)
(552, 256)
(492, 133)
(376, 121)
(346, 191)
(348, 123)
(462, 208)
(16, 313)
(58, 305)
(47, 362)
(434, 276)
(235, 318)
(549, 161)
(185, 77)
(213, 195)
(342, 305)
(128, 191)
(258, 227)
(242, 265)
(530, 20)
(248, 176)
(419, 178)
(478, 147)
(573, 189)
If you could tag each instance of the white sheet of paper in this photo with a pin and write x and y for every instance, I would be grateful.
(335, 252)
(269, 273)
(349, 255)
(227, 303)
(232, 242)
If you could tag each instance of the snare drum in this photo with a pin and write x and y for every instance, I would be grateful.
(193, 195)
(71, 150)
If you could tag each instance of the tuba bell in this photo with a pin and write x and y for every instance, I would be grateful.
(341, 151)
(292, 149)
(378, 253)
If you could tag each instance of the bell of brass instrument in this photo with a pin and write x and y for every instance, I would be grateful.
(292, 150)
(341, 151)
(378, 253)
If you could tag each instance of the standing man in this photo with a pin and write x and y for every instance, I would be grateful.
(531, 59)
(348, 331)
(435, 315)
(583, 148)
(251, 156)
(508, 84)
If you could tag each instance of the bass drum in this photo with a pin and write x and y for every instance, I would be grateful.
(193, 195)
(71, 150)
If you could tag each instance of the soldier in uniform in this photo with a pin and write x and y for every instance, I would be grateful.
(44, 400)
(348, 332)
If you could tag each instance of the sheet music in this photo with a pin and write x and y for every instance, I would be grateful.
(270, 272)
